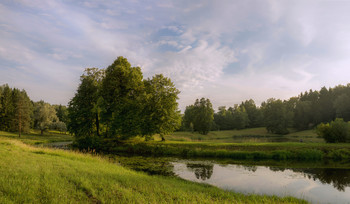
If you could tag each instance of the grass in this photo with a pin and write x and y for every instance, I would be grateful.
(39, 175)
(274, 151)
(34, 137)
(246, 135)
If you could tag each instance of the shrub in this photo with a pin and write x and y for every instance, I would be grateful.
(334, 132)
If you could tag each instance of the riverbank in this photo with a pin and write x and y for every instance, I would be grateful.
(40, 175)
(244, 151)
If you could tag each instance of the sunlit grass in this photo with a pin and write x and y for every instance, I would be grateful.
(38, 175)
(34, 137)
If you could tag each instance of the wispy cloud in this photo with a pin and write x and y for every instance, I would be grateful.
(228, 51)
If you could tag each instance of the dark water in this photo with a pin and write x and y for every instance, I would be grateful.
(317, 185)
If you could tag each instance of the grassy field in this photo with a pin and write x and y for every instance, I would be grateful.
(251, 135)
(38, 175)
(34, 137)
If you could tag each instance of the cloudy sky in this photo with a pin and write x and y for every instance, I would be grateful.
(226, 50)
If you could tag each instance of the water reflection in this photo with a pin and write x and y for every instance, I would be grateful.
(338, 178)
(318, 185)
(202, 171)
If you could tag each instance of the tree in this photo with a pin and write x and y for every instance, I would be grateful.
(275, 116)
(201, 115)
(254, 114)
(122, 89)
(62, 113)
(7, 113)
(189, 118)
(160, 112)
(240, 117)
(303, 115)
(334, 132)
(342, 107)
(23, 109)
(83, 109)
(44, 115)
(60, 126)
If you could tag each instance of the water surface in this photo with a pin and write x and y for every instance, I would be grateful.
(317, 185)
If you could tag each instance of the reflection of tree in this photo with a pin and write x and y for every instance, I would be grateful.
(339, 178)
(250, 168)
(203, 171)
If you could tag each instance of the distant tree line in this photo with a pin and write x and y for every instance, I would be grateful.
(116, 103)
(19, 114)
(303, 112)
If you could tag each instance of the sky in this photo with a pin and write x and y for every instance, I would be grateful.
(228, 50)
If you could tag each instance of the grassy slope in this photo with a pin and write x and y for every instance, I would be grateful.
(37, 175)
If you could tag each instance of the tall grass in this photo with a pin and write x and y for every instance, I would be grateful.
(38, 175)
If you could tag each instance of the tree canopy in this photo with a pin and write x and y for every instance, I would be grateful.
(200, 115)
(117, 103)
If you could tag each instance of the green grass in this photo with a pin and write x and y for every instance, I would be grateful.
(34, 137)
(245, 135)
(274, 151)
(38, 175)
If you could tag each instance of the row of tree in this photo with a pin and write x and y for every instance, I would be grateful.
(302, 112)
(18, 113)
(118, 103)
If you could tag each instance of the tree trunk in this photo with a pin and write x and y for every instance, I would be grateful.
(162, 136)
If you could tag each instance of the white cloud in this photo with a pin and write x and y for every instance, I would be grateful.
(227, 51)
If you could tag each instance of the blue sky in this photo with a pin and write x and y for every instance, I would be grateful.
(227, 51)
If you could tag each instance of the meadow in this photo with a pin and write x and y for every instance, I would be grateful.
(40, 175)
(255, 143)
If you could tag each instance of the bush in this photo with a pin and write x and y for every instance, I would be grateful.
(335, 132)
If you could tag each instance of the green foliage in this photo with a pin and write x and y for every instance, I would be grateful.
(335, 132)
(254, 113)
(15, 109)
(44, 116)
(122, 91)
(83, 113)
(276, 116)
(160, 112)
(117, 103)
(342, 106)
(62, 113)
(60, 126)
(201, 115)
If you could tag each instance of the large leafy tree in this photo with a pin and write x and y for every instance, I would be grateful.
(83, 110)
(121, 91)
(201, 115)
(160, 112)
(44, 116)
(275, 116)
(253, 112)
(240, 117)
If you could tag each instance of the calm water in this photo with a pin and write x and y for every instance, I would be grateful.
(317, 185)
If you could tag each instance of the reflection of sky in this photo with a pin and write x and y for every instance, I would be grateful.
(265, 181)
